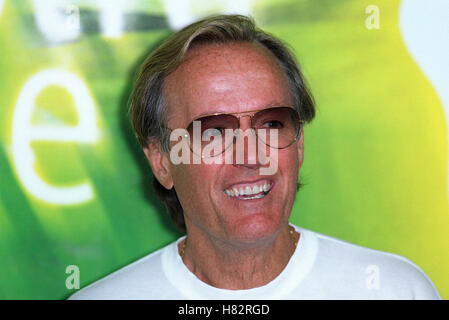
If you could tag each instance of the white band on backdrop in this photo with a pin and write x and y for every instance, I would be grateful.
(424, 27)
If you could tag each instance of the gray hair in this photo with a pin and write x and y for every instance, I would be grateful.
(147, 106)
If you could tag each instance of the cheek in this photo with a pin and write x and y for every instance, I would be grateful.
(289, 164)
(193, 180)
(289, 158)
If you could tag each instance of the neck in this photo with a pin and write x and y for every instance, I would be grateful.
(232, 266)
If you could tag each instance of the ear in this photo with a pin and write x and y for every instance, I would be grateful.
(160, 164)
(301, 148)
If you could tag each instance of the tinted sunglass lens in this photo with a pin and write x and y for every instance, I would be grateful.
(280, 123)
(211, 130)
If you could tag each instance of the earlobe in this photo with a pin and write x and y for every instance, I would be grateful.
(159, 164)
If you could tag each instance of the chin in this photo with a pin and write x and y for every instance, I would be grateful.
(256, 227)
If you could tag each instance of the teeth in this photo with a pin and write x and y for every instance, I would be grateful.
(248, 191)
(256, 197)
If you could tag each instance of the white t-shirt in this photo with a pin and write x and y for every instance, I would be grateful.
(320, 268)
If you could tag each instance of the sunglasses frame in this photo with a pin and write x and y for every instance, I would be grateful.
(254, 113)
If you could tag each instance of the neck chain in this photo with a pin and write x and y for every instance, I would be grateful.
(291, 231)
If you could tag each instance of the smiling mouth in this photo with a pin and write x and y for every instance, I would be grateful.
(251, 191)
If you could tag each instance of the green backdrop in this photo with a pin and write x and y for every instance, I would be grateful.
(75, 188)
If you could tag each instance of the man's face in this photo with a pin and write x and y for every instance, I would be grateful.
(225, 79)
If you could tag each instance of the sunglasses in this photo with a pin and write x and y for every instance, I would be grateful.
(284, 120)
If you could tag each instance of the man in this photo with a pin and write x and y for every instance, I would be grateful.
(222, 74)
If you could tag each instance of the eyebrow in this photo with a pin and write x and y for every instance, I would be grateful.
(265, 106)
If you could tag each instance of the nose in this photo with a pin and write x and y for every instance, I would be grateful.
(245, 153)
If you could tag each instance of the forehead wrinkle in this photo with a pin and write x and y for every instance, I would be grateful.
(212, 62)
